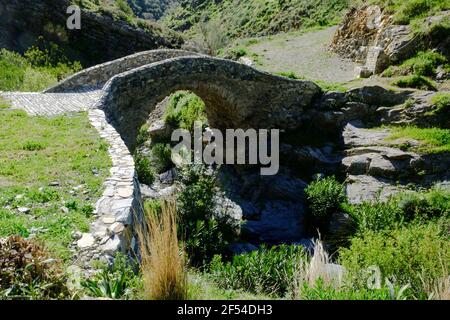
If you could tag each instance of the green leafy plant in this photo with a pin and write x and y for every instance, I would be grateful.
(184, 109)
(267, 270)
(116, 282)
(204, 233)
(410, 254)
(324, 197)
(144, 169)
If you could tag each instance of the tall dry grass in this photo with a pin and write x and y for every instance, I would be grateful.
(163, 262)
(317, 267)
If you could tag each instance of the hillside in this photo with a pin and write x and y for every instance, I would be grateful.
(109, 29)
(254, 17)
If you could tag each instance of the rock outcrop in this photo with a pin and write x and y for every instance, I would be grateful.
(370, 37)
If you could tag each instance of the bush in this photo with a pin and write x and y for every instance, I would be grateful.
(27, 272)
(415, 81)
(144, 169)
(204, 233)
(376, 216)
(324, 197)
(40, 67)
(400, 210)
(184, 109)
(161, 157)
(410, 254)
(267, 270)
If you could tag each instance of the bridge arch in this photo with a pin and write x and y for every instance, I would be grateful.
(235, 95)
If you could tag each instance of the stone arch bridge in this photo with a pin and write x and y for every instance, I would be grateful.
(119, 96)
(235, 95)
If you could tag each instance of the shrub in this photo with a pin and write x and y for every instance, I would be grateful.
(27, 272)
(409, 254)
(415, 81)
(161, 157)
(163, 266)
(184, 109)
(37, 80)
(267, 270)
(144, 169)
(400, 210)
(324, 197)
(204, 233)
(376, 216)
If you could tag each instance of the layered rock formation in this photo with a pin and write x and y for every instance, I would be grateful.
(370, 37)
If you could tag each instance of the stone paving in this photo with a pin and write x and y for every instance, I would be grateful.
(52, 104)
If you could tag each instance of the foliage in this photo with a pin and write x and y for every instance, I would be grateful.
(27, 272)
(163, 263)
(415, 81)
(39, 68)
(184, 109)
(144, 169)
(35, 152)
(267, 270)
(407, 254)
(424, 63)
(115, 282)
(400, 210)
(324, 197)
(161, 157)
(320, 291)
(204, 232)
(151, 9)
(442, 103)
(433, 140)
(4, 104)
(255, 18)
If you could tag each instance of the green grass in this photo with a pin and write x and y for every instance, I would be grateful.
(4, 104)
(424, 63)
(36, 152)
(255, 18)
(202, 287)
(441, 101)
(415, 81)
(406, 12)
(433, 140)
(324, 85)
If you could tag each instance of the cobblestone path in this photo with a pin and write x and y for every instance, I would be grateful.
(51, 104)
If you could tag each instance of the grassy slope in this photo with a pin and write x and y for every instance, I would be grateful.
(256, 17)
(35, 152)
